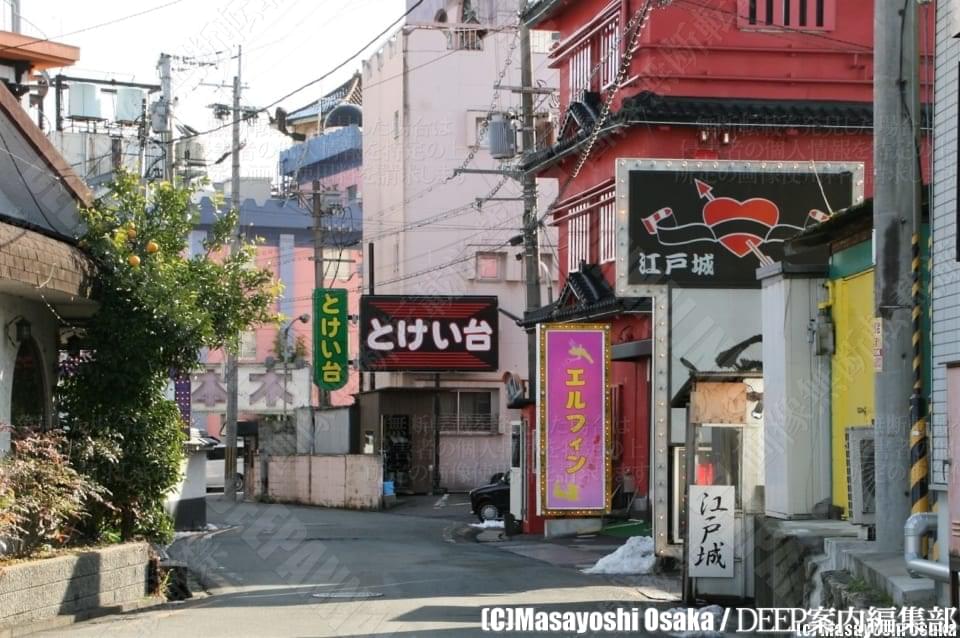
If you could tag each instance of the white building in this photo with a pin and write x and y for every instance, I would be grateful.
(427, 95)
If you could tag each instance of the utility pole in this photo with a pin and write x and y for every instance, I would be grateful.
(166, 101)
(530, 221)
(318, 236)
(896, 219)
(15, 16)
(230, 454)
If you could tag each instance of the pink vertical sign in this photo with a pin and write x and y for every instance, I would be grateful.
(574, 418)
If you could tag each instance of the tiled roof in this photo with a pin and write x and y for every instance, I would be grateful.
(350, 91)
(649, 108)
(585, 294)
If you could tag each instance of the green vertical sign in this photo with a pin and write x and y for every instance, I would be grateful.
(331, 364)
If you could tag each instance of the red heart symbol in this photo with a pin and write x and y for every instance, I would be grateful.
(724, 209)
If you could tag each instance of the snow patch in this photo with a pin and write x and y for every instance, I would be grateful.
(715, 610)
(633, 557)
(488, 525)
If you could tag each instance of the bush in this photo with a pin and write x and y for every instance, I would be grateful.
(42, 497)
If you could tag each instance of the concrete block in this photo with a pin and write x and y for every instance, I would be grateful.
(329, 480)
(887, 572)
(560, 527)
(72, 584)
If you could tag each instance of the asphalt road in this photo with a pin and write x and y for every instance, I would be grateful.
(278, 570)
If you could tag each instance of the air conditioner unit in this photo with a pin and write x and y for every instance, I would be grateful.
(129, 105)
(84, 103)
(861, 482)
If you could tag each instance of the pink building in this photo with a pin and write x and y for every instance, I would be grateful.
(287, 250)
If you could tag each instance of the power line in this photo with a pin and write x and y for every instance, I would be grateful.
(344, 63)
(92, 26)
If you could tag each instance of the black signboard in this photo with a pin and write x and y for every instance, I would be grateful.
(716, 228)
(428, 334)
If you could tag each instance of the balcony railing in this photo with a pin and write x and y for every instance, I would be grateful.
(464, 40)
(469, 423)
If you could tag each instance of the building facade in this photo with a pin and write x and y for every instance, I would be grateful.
(945, 225)
(427, 95)
(722, 100)
(46, 281)
(287, 250)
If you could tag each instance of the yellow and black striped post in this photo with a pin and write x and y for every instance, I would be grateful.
(919, 496)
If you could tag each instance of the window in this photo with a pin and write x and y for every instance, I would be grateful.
(468, 411)
(578, 237)
(336, 265)
(464, 40)
(579, 70)
(248, 346)
(610, 52)
(787, 14)
(490, 266)
(351, 194)
(543, 41)
(608, 232)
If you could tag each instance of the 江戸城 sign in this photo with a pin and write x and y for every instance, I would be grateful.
(428, 334)
(716, 223)
(574, 418)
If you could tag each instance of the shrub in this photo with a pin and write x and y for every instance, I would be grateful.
(42, 497)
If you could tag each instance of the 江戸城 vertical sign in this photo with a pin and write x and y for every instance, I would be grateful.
(574, 419)
(331, 363)
(711, 531)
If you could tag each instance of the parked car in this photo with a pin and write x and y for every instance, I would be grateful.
(215, 466)
(491, 502)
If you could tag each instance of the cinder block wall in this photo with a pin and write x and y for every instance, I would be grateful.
(336, 480)
(76, 584)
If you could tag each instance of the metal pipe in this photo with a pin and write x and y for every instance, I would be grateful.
(913, 531)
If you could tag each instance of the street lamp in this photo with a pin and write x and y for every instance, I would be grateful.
(304, 318)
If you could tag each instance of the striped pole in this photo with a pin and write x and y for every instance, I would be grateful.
(919, 496)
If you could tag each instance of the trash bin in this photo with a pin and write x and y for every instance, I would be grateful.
(388, 489)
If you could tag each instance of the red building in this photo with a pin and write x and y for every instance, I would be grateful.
(787, 82)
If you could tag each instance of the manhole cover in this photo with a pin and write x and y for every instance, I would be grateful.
(348, 594)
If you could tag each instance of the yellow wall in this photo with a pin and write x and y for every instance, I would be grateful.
(852, 370)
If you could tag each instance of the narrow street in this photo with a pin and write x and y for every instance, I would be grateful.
(278, 570)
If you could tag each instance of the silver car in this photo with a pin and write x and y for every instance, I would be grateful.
(215, 467)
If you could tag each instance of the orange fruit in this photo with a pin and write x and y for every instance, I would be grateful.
(152, 247)
(133, 260)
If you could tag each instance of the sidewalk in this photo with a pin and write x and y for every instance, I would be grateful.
(580, 552)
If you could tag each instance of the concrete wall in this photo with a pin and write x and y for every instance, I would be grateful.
(343, 481)
(187, 502)
(38, 590)
(323, 431)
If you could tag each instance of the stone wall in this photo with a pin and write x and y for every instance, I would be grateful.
(78, 584)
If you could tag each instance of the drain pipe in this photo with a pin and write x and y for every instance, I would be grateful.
(913, 530)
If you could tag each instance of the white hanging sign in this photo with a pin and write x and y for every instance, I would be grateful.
(711, 531)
